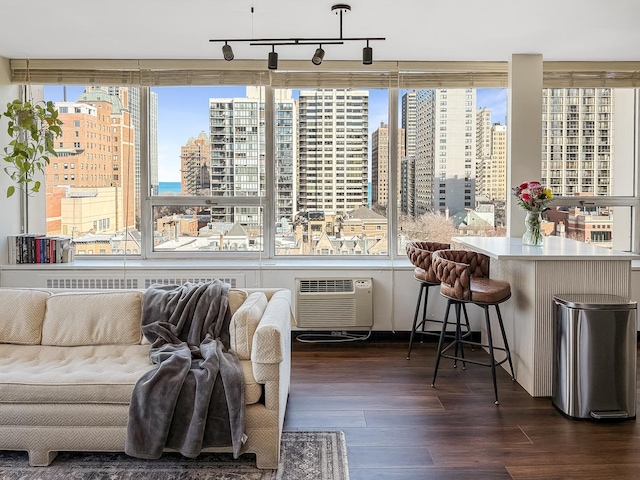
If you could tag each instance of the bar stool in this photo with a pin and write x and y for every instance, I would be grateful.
(419, 254)
(464, 278)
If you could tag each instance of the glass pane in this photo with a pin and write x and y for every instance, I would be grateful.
(212, 144)
(453, 171)
(196, 229)
(211, 141)
(607, 227)
(93, 185)
(340, 187)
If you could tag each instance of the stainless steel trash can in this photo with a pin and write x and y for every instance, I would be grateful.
(594, 367)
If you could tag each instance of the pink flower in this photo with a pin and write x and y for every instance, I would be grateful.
(526, 197)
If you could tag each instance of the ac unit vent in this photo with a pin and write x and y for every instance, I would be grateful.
(326, 285)
(92, 283)
(179, 281)
(334, 302)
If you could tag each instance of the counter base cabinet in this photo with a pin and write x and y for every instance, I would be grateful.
(528, 314)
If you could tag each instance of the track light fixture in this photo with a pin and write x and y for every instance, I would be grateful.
(367, 55)
(318, 56)
(272, 62)
(227, 52)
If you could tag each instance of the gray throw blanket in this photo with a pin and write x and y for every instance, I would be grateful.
(195, 397)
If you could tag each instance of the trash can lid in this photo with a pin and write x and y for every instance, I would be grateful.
(588, 301)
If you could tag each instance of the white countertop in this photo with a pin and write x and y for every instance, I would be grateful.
(554, 248)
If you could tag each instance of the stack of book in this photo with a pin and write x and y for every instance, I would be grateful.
(30, 248)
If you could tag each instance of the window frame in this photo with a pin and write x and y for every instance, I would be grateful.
(146, 73)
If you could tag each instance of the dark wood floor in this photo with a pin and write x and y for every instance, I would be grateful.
(399, 428)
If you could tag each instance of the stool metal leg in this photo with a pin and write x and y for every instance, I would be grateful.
(423, 286)
(459, 337)
(441, 342)
(424, 310)
(466, 318)
(491, 352)
(506, 344)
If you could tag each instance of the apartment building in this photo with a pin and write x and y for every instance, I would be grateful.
(238, 153)
(408, 161)
(491, 158)
(333, 155)
(380, 164)
(94, 166)
(195, 165)
(445, 164)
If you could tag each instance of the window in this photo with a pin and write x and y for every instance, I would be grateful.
(436, 205)
(590, 167)
(322, 206)
(327, 161)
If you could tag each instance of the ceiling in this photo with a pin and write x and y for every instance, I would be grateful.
(444, 30)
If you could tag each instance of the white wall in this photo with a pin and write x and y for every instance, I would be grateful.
(10, 207)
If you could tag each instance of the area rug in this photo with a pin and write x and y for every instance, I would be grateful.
(304, 456)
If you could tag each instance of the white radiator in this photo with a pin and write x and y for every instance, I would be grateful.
(334, 302)
(93, 281)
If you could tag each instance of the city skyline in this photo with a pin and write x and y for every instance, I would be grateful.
(190, 106)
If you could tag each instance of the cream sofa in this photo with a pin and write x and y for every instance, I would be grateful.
(69, 361)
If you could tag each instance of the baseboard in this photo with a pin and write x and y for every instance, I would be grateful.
(376, 336)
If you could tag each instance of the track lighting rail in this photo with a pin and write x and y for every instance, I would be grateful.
(367, 52)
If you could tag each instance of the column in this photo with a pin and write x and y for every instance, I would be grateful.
(524, 127)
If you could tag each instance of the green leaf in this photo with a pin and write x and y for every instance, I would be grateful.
(10, 191)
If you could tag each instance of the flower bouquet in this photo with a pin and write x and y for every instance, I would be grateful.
(533, 198)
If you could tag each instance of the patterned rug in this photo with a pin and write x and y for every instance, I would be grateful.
(304, 456)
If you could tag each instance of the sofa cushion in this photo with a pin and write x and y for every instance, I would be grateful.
(93, 318)
(236, 299)
(82, 375)
(244, 323)
(85, 374)
(21, 315)
(252, 389)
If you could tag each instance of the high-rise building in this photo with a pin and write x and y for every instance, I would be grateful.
(130, 98)
(238, 153)
(497, 185)
(93, 166)
(408, 162)
(445, 150)
(380, 164)
(195, 166)
(491, 158)
(333, 155)
(577, 139)
(285, 146)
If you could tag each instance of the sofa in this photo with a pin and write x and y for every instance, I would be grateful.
(69, 361)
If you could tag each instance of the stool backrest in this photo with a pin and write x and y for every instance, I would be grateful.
(455, 268)
(419, 254)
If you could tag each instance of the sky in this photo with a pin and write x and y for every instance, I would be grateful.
(183, 112)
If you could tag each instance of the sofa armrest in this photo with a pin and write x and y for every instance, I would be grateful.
(271, 352)
(273, 335)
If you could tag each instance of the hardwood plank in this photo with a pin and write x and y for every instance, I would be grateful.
(579, 471)
(399, 428)
(429, 473)
(389, 457)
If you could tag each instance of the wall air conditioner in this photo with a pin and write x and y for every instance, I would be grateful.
(334, 302)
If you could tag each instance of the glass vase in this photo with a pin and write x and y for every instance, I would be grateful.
(533, 234)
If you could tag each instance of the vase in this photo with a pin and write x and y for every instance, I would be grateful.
(533, 234)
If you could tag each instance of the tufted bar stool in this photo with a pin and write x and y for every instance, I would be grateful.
(464, 278)
(419, 254)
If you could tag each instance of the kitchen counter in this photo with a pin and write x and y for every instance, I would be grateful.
(536, 274)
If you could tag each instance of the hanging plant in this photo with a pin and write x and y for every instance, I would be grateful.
(33, 128)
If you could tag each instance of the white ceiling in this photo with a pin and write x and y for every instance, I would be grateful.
(459, 30)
